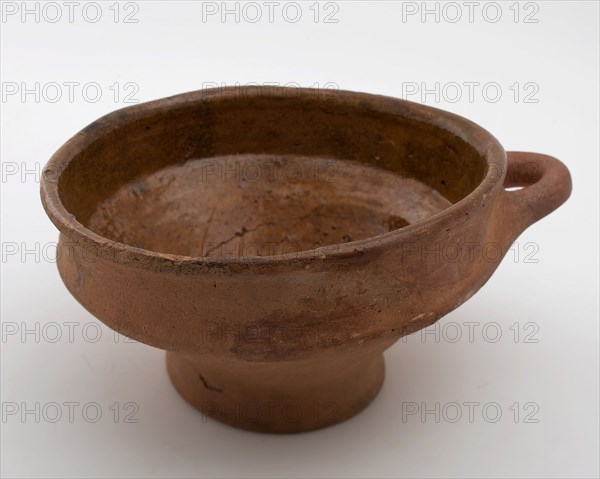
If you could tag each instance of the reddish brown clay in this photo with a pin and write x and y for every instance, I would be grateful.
(276, 241)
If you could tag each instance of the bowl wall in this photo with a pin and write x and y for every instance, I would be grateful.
(154, 230)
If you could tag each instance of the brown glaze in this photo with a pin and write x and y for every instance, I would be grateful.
(276, 242)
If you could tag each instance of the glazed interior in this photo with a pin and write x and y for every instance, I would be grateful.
(265, 175)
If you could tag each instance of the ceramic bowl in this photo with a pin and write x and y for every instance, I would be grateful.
(275, 242)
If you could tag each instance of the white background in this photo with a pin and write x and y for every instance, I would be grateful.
(371, 48)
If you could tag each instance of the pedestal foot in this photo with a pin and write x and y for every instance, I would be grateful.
(285, 397)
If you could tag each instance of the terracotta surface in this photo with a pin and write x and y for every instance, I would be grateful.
(276, 241)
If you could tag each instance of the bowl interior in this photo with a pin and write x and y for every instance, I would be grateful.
(265, 175)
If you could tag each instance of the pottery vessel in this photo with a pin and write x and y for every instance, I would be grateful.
(275, 242)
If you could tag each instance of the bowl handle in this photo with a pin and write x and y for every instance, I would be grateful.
(545, 182)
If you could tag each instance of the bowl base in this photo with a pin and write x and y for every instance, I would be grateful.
(285, 397)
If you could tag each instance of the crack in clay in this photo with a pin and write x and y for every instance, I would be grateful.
(209, 386)
(208, 223)
(238, 234)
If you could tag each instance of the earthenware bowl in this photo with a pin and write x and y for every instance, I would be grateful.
(275, 242)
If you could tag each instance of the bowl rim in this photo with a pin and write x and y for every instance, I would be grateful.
(484, 143)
